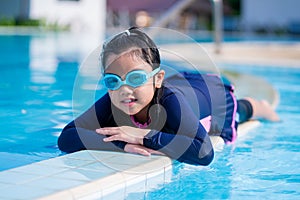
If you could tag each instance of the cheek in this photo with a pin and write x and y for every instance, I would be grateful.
(113, 97)
(145, 93)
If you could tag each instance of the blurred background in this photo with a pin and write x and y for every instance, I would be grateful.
(272, 17)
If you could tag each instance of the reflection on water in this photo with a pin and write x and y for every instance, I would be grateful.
(36, 86)
(263, 165)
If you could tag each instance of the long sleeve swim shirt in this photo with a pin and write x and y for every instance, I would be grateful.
(175, 125)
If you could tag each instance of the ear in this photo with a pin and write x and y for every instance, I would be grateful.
(159, 77)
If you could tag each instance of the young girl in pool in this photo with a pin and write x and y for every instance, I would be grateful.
(146, 114)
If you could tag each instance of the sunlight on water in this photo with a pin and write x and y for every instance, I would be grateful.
(263, 165)
(35, 98)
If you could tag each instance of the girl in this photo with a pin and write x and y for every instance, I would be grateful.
(146, 114)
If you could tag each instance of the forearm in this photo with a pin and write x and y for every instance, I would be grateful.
(180, 147)
(76, 139)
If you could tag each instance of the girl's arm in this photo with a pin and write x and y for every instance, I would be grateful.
(80, 134)
(189, 141)
(193, 151)
(183, 137)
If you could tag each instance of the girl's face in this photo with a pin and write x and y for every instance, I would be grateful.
(133, 101)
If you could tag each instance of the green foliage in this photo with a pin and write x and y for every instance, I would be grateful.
(28, 22)
(39, 23)
(7, 21)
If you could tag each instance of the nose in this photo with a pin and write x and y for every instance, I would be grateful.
(125, 90)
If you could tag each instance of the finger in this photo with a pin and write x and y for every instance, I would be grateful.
(110, 128)
(157, 153)
(111, 138)
(107, 131)
(142, 152)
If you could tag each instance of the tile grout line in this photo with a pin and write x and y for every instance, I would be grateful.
(129, 178)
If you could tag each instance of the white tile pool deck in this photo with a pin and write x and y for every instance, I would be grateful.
(100, 174)
(85, 175)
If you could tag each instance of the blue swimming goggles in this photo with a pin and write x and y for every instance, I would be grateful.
(133, 79)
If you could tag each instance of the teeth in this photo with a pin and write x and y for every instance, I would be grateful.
(128, 100)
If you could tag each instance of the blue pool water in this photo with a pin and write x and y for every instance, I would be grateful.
(263, 165)
(36, 89)
(35, 98)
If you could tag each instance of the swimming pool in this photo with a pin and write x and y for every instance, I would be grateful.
(35, 98)
(263, 165)
(36, 102)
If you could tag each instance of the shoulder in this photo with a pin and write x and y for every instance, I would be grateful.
(105, 99)
(172, 98)
(197, 80)
(102, 106)
(185, 84)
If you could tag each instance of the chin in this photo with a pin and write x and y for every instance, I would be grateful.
(130, 112)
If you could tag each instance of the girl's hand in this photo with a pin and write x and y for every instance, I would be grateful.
(124, 133)
(139, 149)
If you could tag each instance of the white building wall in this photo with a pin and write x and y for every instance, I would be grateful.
(269, 13)
(87, 19)
(82, 15)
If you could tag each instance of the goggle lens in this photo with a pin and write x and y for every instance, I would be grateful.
(136, 79)
(111, 82)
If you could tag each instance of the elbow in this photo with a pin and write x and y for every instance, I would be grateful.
(206, 153)
(202, 157)
(207, 159)
(65, 142)
(62, 143)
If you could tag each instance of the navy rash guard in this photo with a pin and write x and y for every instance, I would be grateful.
(175, 129)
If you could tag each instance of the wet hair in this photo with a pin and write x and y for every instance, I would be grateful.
(136, 42)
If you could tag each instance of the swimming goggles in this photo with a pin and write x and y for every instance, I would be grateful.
(133, 79)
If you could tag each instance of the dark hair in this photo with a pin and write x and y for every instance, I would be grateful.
(142, 46)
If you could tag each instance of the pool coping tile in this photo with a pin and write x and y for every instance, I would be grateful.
(85, 174)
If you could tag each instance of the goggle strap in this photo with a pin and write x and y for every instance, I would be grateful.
(151, 74)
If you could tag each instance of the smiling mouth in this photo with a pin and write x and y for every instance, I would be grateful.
(128, 101)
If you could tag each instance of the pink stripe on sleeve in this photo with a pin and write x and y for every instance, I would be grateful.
(234, 133)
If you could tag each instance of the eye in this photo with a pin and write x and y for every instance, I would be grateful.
(111, 81)
(136, 78)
